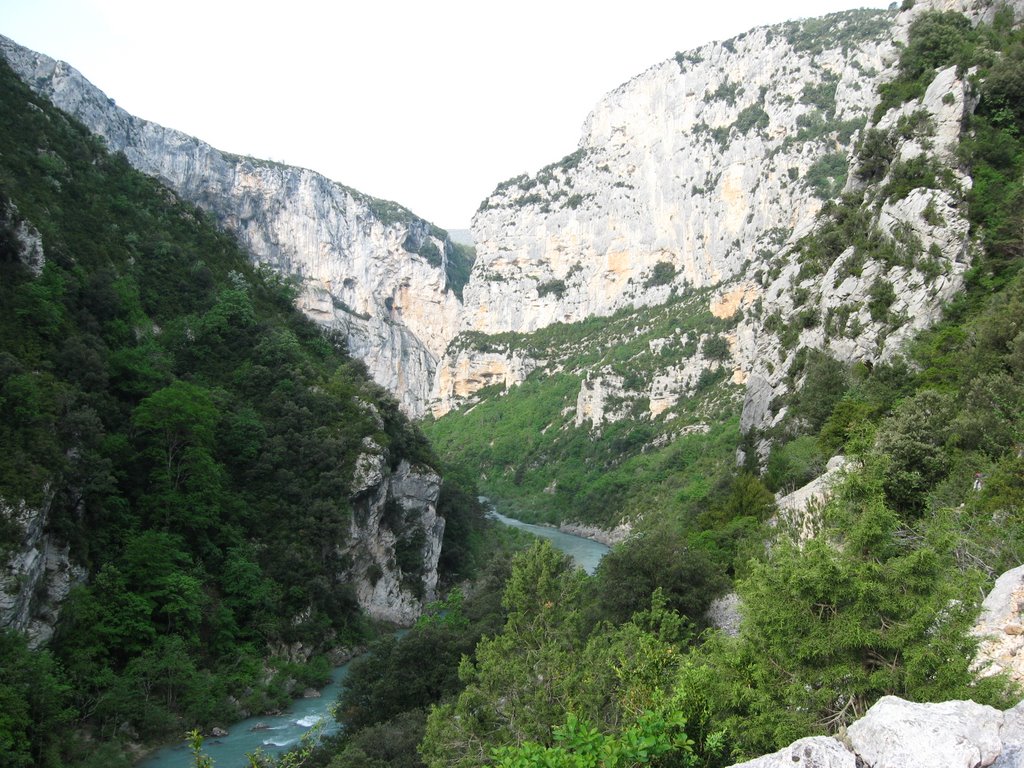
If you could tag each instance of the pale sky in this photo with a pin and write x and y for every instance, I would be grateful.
(429, 104)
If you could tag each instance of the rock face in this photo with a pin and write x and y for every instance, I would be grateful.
(26, 241)
(705, 171)
(952, 734)
(395, 539)
(900, 734)
(724, 614)
(688, 165)
(709, 170)
(466, 371)
(690, 175)
(36, 572)
(609, 538)
(927, 227)
(37, 575)
(1000, 628)
(368, 268)
(815, 752)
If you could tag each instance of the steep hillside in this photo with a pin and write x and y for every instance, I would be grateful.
(612, 416)
(778, 180)
(388, 281)
(201, 494)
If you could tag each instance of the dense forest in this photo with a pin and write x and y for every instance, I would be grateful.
(193, 438)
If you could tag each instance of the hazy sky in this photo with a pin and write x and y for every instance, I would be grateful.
(430, 104)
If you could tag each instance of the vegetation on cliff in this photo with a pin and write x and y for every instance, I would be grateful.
(545, 453)
(881, 601)
(176, 405)
(193, 438)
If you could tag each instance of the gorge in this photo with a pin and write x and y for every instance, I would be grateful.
(762, 329)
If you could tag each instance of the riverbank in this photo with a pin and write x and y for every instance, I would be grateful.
(609, 538)
(272, 732)
(587, 552)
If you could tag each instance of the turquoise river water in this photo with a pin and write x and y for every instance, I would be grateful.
(274, 734)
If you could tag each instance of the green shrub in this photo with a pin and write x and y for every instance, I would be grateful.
(751, 117)
(727, 91)
(874, 155)
(821, 95)
(936, 40)
(555, 286)
(827, 175)
(794, 464)
(881, 296)
(715, 347)
(664, 272)
(904, 177)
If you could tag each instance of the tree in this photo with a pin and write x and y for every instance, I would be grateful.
(660, 558)
(868, 609)
(519, 683)
(172, 420)
(35, 705)
(914, 441)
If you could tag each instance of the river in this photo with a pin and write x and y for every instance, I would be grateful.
(586, 552)
(271, 733)
(274, 734)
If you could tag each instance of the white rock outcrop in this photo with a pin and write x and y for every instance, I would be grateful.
(392, 510)
(37, 575)
(896, 733)
(1000, 628)
(724, 614)
(953, 734)
(813, 752)
(607, 536)
(464, 371)
(799, 512)
(28, 243)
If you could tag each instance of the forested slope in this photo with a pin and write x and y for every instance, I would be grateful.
(181, 447)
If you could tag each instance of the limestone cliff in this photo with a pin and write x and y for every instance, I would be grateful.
(696, 164)
(395, 539)
(838, 306)
(1000, 628)
(693, 174)
(368, 268)
(714, 170)
(37, 575)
